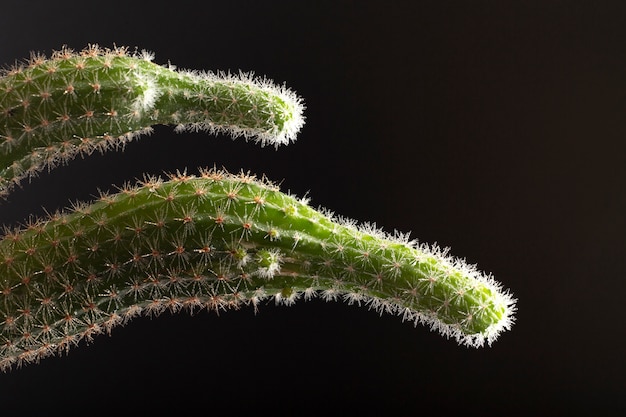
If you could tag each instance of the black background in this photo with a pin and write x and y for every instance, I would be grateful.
(495, 128)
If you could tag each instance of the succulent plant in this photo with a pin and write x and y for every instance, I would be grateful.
(212, 241)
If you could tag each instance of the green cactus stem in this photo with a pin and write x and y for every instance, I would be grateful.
(218, 241)
(215, 241)
(98, 99)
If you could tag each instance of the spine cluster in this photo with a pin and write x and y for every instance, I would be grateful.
(219, 241)
(97, 99)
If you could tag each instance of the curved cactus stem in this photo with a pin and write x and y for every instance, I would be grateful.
(98, 99)
(220, 241)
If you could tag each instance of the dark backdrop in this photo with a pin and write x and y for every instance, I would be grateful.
(493, 127)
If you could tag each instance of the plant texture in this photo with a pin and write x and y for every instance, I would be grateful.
(214, 241)
(53, 109)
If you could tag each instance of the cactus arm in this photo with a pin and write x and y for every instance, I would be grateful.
(53, 109)
(220, 241)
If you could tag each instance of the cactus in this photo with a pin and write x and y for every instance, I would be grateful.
(213, 241)
(75, 103)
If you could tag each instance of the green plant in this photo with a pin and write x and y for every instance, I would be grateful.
(53, 109)
(214, 241)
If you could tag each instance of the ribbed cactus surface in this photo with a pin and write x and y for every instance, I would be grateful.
(213, 241)
(52, 109)
(219, 241)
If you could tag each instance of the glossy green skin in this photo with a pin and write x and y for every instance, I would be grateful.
(55, 108)
(219, 241)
